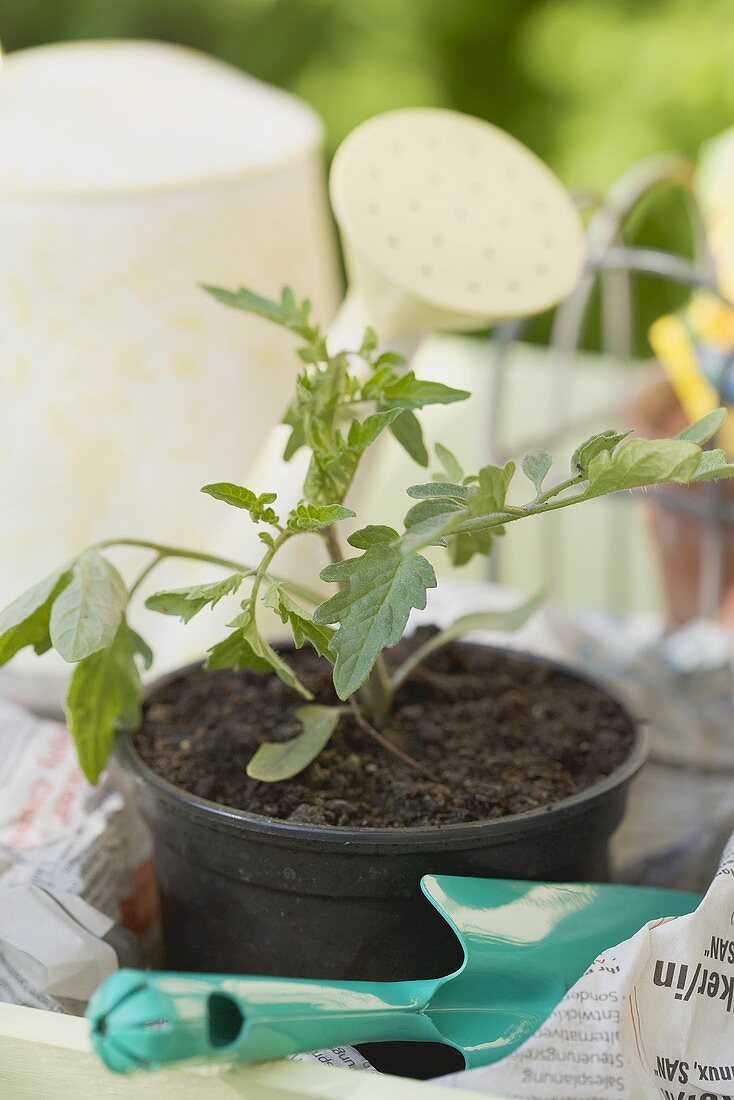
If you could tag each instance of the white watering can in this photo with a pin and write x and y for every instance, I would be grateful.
(147, 388)
(130, 173)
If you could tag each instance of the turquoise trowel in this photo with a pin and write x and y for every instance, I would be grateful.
(525, 944)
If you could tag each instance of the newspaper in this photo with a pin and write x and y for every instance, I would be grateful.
(651, 1019)
(77, 893)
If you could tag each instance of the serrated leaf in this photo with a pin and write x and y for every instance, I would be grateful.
(639, 462)
(379, 590)
(26, 621)
(286, 312)
(239, 497)
(600, 443)
(408, 432)
(535, 466)
(278, 760)
(450, 463)
(187, 602)
(312, 517)
(141, 647)
(372, 534)
(246, 648)
(235, 652)
(301, 623)
(701, 431)
(105, 690)
(85, 616)
(432, 489)
(332, 469)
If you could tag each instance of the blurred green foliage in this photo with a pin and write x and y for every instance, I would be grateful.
(591, 85)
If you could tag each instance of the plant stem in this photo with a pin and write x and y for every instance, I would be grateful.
(331, 539)
(416, 658)
(386, 744)
(143, 574)
(555, 490)
(164, 551)
(500, 519)
(262, 570)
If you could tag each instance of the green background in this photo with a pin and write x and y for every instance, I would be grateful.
(591, 85)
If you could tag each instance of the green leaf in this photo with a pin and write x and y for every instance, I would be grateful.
(278, 760)
(362, 433)
(535, 466)
(429, 521)
(286, 312)
(426, 509)
(410, 392)
(297, 438)
(509, 619)
(235, 652)
(239, 497)
(379, 590)
(187, 602)
(595, 445)
(408, 432)
(369, 341)
(639, 462)
(373, 533)
(463, 546)
(389, 359)
(301, 623)
(704, 429)
(439, 489)
(713, 465)
(451, 465)
(246, 648)
(85, 616)
(26, 621)
(494, 481)
(332, 469)
(312, 517)
(105, 689)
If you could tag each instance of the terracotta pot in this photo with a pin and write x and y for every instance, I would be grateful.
(680, 537)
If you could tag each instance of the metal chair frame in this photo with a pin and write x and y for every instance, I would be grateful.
(611, 261)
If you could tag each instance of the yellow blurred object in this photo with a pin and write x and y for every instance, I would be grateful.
(688, 342)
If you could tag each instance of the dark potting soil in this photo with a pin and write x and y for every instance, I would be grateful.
(502, 733)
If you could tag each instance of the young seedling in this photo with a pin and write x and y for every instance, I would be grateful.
(342, 403)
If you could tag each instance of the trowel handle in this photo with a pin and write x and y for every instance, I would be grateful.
(142, 1019)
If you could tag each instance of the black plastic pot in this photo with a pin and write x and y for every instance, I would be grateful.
(246, 894)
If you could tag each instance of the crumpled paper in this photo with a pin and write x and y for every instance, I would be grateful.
(681, 683)
(651, 1019)
(77, 895)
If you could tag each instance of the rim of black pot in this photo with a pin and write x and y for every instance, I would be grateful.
(275, 829)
